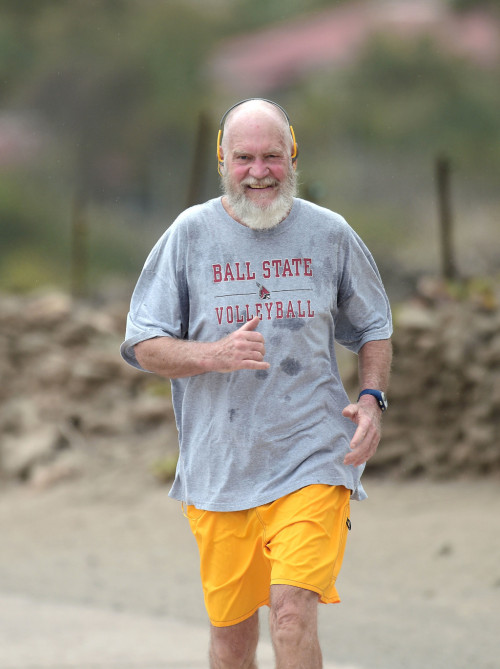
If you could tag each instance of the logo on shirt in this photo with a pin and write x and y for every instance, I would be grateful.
(264, 294)
(280, 271)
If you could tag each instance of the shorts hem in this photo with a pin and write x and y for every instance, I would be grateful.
(335, 599)
(240, 619)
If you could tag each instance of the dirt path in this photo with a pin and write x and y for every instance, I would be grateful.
(420, 583)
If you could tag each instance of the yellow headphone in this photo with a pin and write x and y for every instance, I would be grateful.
(223, 119)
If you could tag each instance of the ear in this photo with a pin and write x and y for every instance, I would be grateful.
(220, 152)
(220, 160)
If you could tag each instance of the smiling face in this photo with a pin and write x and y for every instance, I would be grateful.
(258, 178)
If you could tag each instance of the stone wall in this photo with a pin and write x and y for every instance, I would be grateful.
(69, 405)
(444, 414)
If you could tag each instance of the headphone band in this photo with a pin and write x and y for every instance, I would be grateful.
(227, 112)
(241, 102)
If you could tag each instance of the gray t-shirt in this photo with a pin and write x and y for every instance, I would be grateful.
(249, 437)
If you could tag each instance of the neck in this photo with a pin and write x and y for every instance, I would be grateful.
(230, 211)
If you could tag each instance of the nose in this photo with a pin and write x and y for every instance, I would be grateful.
(259, 168)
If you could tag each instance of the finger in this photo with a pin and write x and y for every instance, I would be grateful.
(357, 455)
(257, 353)
(354, 460)
(253, 342)
(254, 364)
(358, 437)
(248, 336)
(251, 325)
(350, 411)
(363, 449)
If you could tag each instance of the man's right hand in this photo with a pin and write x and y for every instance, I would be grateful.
(176, 358)
(242, 349)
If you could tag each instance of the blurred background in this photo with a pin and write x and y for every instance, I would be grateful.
(109, 113)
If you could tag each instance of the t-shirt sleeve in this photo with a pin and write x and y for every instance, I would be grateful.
(160, 301)
(363, 310)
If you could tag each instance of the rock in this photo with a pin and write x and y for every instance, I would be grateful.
(415, 317)
(150, 410)
(70, 405)
(45, 475)
(20, 454)
(18, 415)
(47, 311)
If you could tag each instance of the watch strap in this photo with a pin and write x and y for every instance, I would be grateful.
(378, 395)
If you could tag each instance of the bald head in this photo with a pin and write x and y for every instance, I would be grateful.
(255, 116)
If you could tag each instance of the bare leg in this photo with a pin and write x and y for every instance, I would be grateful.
(294, 628)
(234, 647)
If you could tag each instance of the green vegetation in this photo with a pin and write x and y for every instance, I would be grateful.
(465, 5)
(409, 97)
(164, 469)
(113, 89)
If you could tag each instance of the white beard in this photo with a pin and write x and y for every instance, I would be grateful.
(254, 216)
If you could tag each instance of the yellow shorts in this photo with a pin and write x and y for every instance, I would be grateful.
(297, 540)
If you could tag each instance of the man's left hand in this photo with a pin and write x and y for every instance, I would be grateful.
(368, 418)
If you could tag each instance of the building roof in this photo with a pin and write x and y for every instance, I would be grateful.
(280, 54)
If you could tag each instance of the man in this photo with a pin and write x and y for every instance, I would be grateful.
(239, 303)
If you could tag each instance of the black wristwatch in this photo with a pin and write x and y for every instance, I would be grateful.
(379, 395)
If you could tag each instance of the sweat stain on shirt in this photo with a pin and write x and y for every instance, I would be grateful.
(291, 366)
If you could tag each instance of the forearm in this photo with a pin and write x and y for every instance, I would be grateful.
(374, 364)
(175, 358)
(178, 358)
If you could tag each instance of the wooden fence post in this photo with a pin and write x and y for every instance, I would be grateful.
(200, 159)
(79, 242)
(448, 264)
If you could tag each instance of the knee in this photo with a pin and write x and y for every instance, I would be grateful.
(233, 647)
(224, 655)
(286, 624)
(231, 657)
(287, 619)
(292, 617)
